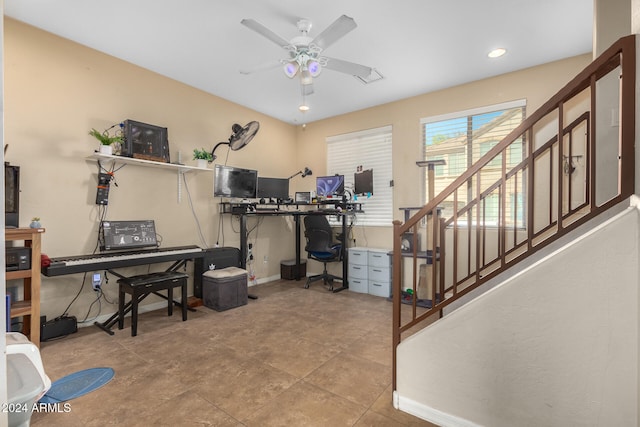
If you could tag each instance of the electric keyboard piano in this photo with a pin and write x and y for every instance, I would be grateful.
(108, 260)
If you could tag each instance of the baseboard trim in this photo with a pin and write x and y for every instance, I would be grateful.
(265, 280)
(160, 304)
(429, 414)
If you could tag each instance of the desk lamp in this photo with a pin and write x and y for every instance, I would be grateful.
(304, 173)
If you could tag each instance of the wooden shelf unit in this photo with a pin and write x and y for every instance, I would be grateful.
(29, 306)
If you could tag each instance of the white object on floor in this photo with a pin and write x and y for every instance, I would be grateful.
(26, 379)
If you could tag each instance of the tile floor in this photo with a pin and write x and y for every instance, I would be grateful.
(293, 357)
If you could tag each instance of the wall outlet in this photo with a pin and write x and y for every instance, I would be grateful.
(96, 281)
(265, 259)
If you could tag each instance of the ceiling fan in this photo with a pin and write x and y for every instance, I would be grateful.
(304, 52)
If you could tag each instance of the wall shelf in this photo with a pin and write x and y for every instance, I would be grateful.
(180, 169)
(150, 163)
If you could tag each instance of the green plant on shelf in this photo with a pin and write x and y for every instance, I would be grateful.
(202, 155)
(104, 137)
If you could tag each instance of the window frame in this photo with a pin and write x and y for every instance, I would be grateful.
(468, 115)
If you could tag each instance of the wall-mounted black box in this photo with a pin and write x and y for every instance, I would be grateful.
(145, 141)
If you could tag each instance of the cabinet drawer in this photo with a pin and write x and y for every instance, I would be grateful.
(357, 271)
(379, 274)
(378, 259)
(358, 256)
(359, 285)
(379, 289)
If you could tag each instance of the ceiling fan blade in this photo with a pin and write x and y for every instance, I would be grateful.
(262, 67)
(348, 67)
(265, 32)
(334, 32)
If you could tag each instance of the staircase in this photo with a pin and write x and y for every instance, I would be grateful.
(592, 119)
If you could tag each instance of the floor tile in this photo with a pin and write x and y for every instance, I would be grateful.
(292, 357)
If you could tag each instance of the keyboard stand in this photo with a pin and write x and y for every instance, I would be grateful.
(128, 307)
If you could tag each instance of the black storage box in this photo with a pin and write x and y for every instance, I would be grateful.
(213, 259)
(225, 288)
(288, 269)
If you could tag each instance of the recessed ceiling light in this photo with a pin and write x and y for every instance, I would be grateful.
(496, 53)
(303, 108)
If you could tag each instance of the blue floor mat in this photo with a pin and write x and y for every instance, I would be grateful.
(77, 384)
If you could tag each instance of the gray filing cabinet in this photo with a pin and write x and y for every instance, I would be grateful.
(358, 260)
(370, 271)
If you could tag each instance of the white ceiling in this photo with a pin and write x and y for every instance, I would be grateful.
(417, 45)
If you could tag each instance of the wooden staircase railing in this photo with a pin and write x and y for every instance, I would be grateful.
(575, 123)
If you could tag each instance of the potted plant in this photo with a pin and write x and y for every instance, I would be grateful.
(35, 222)
(105, 140)
(202, 157)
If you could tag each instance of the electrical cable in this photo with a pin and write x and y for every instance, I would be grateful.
(220, 227)
(97, 300)
(193, 212)
(66, 310)
(102, 214)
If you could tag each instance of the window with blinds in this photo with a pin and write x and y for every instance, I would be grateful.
(461, 139)
(370, 149)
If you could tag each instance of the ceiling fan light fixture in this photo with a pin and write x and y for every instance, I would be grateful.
(314, 68)
(306, 77)
(291, 69)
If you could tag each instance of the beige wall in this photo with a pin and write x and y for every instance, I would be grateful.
(536, 85)
(555, 345)
(57, 90)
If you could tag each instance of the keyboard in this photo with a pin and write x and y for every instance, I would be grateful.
(106, 260)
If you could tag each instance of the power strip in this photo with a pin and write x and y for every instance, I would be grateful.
(58, 327)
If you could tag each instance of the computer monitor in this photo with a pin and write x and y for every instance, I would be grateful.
(363, 182)
(276, 188)
(330, 186)
(235, 182)
(11, 195)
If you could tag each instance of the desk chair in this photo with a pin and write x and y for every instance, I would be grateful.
(321, 247)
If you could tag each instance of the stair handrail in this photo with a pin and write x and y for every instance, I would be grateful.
(621, 54)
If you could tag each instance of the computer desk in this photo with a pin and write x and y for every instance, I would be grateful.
(338, 208)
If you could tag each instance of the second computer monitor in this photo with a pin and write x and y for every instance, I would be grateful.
(363, 182)
(330, 186)
(273, 188)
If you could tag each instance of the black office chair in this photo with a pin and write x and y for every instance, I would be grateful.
(321, 247)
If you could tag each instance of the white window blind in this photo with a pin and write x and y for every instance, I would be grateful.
(461, 139)
(370, 149)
